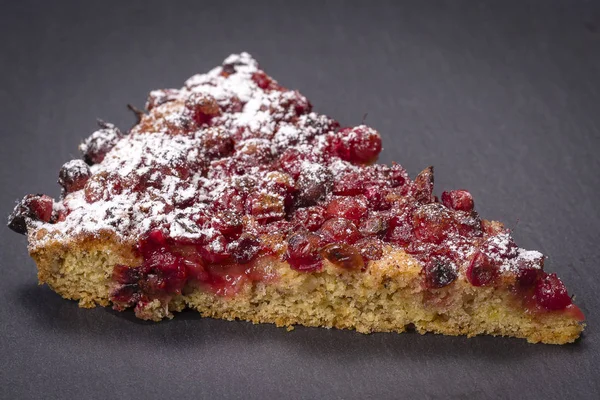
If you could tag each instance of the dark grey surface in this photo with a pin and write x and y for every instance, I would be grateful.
(503, 99)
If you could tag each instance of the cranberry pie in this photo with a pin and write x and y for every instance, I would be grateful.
(232, 197)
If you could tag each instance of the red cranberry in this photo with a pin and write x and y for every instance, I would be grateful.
(400, 230)
(482, 270)
(423, 191)
(343, 256)
(264, 81)
(216, 251)
(352, 208)
(376, 225)
(500, 246)
(303, 252)
(433, 223)
(530, 268)
(124, 296)
(37, 207)
(438, 273)
(231, 199)
(350, 184)
(360, 145)
(126, 275)
(295, 103)
(459, 200)
(551, 293)
(376, 196)
(339, 230)
(468, 224)
(245, 248)
(397, 175)
(369, 248)
(202, 107)
(310, 217)
(95, 148)
(74, 175)
(313, 185)
(230, 224)
(216, 142)
(266, 207)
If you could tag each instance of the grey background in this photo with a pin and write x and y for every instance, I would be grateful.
(502, 97)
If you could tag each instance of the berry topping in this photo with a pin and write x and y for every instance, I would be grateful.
(303, 252)
(95, 147)
(459, 200)
(339, 230)
(433, 223)
(551, 293)
(73, 176)
(438, 273)
(360, 145)
(482, 271)
(202, 107)
(311, 218)
(352, 208)
(424, 186)
(343, 256)
(38, 207)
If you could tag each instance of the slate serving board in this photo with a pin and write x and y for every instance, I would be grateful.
(502, 97)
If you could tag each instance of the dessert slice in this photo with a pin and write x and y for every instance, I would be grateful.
(231, 197)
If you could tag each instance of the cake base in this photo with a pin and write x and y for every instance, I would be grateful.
(387, 297)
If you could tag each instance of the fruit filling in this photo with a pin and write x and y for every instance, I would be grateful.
(234, 169)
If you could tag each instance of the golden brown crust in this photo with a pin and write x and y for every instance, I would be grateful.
(388, 297)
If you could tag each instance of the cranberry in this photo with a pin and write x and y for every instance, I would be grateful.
(433, 223)
(468, 224)
(310, 217)
(438, 273)
(303, 252)
(102, 186)
(423, 191)
(342, 255)
(126, 275)
(216, 251)
(376, 225)
(95, 148)
(352, 208)
(369, 248)
(294, 103)
(229, 223)
(350, 184)
(313, 185)
(74, 175)
(530, 268)
(376, 196)
(202, 107)
(400, 230)
(231, 199)
(397, 175)
(360, 145)
(37, 207)
(291, 162)
(339, 230)
(266, 207)
(551, 293)
(125, 296)
(482, 270)
(264, 81)
(245, 248)
(459, 200)
(217, 142)
(500, 246)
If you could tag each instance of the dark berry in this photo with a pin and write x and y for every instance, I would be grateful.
(303, 252)
(74, 175)
(95, 147)
(245, 248)
(37, 207)
(423, 191)
(482, 270)
(459, 200)
(202, 107)
(126, 275)
(433, 223)
(438, 273)
(369, 248)
(352, 208)
(344, 256)
(216, 142)
(551, 293)
(313, 185)
(311, 218)
(339, 230)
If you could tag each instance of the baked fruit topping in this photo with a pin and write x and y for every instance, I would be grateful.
(233, 197)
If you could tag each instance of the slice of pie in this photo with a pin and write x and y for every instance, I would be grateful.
(231, 197)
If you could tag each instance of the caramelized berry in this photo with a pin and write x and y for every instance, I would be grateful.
(482, 271)
(343, 256)
(438, 273)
